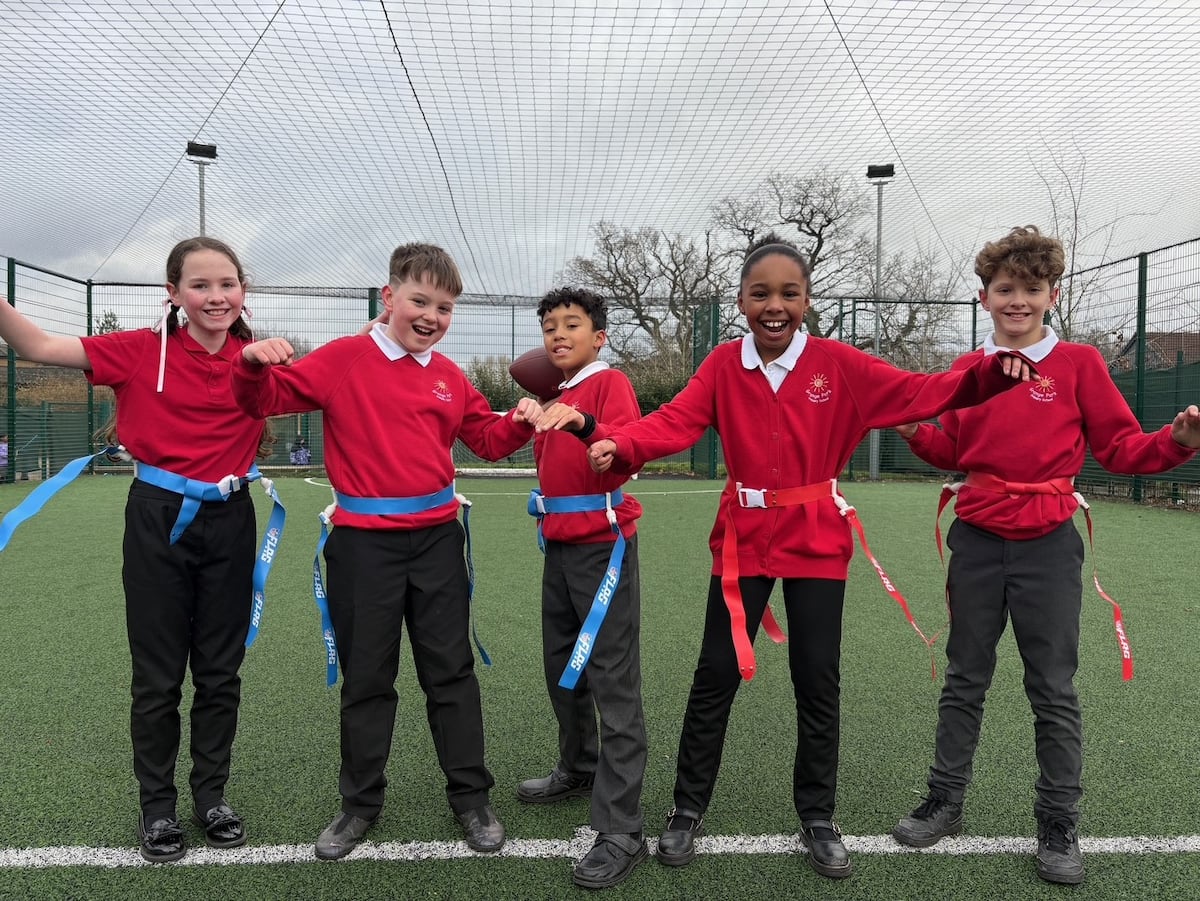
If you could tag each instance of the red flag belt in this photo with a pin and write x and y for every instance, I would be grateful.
(1063, 486)
(787, 497)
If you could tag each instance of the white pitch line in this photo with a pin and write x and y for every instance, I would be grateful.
(110, 858)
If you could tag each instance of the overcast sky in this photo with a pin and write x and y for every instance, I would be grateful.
(504, 130)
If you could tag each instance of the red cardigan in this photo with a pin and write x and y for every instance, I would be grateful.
(803, 434)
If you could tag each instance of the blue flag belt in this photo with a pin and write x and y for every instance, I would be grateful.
(541, 506)
(36, 499)
(193, 492)
(385, 506)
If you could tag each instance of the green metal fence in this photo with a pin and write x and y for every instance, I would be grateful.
(1142, 312)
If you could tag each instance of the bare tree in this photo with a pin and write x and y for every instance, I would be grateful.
(656, 282)
(918, 327)
(828, 215)
(1087, 246)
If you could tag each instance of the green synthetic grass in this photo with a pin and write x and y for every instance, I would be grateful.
(65, 757)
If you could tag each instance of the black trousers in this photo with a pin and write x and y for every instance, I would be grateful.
(814, 628)
(379, 582)
(1037, 583)
(187, 603)
(610, 685)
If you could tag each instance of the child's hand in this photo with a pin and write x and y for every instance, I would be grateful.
(381, 318)
(600, 454)
(1186, 427)
(269, 352)
(1016, 368)
(527, 410)
(560, 416)
(907, 430)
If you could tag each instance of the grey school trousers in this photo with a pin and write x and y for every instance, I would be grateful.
(1036, 583)
(610, 685)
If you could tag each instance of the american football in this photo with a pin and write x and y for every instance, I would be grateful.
(534, 372)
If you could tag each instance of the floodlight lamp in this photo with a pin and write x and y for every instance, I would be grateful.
(875, 172)
(201, 151)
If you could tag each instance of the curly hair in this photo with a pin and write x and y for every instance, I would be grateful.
(1024, 253)
(589, 301)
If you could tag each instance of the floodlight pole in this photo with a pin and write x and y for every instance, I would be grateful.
(878, 176)
(202, 155)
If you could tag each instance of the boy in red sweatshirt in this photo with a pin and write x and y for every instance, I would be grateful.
(1015, 552)
(395, 555)
(588, 527)
(790, 409)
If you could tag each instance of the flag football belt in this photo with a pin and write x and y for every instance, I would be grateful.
(787, 497)
(385, 506)
(541, 506)
(193, 492)
(1065, 487)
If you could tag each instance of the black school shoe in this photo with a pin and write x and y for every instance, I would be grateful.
(162, 840)
(676, 846)
(482, 828)
(826, 853)
(612, 858)
(222, 827)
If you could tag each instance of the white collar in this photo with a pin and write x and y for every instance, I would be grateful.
(394, 351)
(751, 358)
(1036, 352)
(590, 369)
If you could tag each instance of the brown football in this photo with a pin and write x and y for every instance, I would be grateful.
(534, 372)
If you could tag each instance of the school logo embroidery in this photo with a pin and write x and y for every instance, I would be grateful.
(442, 391)
(819, 390)
(1042, 389)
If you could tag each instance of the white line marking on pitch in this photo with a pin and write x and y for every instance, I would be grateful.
(81, 856)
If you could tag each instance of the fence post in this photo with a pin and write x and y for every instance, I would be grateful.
(1139, 395)
(372, 302)
(11, 427)
(91, 401)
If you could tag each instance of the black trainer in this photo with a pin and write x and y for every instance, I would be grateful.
(558, 786)
(933, 820)
(1058, 855)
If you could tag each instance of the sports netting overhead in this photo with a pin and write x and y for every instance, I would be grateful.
(506, 131)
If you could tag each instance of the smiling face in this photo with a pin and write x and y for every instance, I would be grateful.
(420, 313)
(774, 298)
(572, 339)
(211, 295)
(1018, 307)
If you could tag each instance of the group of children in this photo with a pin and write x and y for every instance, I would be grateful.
(789, 408)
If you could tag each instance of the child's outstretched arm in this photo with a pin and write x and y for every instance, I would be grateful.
(1185, 428)
(31, 343)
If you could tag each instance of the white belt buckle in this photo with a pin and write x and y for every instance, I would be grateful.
(751, 497)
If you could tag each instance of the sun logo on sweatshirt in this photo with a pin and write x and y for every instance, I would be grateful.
(442, 391)
(1042, 389)
(819, 390)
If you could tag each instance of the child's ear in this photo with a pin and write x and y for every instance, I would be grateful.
(601, 338)
(983, 299)
(386, 294)
(740, 306)
(1054, 296)
(173, 293)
